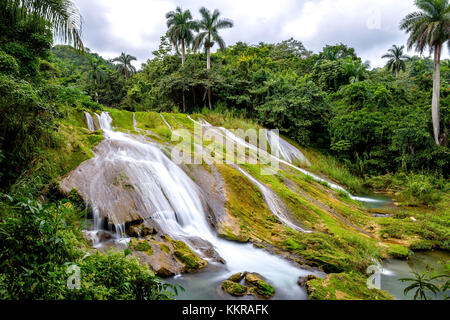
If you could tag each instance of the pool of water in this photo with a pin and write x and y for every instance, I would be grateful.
(395, 269)
(206, 285)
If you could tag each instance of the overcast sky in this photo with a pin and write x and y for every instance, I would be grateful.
(135, 26)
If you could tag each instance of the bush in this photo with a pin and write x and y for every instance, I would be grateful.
(39, 242)
(8, 64)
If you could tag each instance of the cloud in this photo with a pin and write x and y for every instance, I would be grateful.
(135, 26)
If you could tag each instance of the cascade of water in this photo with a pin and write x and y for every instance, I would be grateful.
(274, 203)
(230, 135)
(89, 121)
(170, 197)
(286, 150)
(167, 124)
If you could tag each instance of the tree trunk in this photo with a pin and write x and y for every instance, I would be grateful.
(183, 52)
(183, 60)
(436, 92)
(208, 67)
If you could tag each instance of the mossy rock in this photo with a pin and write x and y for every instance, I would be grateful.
(233, 288)
(343, 286)
(186, 256)
(261, 287)
(236, 277)
(142, 246)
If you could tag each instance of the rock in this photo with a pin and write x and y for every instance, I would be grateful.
(236, 277)
(95, 237)
(207, 249)
(303, 280)
(233, 288)
(166, 257)
(260, 287)
(142, 230)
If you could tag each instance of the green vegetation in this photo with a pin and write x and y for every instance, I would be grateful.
(343, 286)
(53, 243)
(233, 288)
(425, 283)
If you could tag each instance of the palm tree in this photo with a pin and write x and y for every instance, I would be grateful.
(422, 283)
(63, 15)
(397, 59)
(124, 65)
(96, 75)
(356, 70)
(181, 27)
(430, 27)
(210, 24)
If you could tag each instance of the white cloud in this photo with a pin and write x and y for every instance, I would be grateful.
(135, 26)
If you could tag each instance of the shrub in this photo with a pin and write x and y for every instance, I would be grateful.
(38, 245)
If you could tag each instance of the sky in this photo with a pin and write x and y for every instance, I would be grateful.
(135, 26)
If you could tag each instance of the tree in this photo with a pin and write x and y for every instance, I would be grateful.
(422, 283)
(96, 75)
(430, 27)
(63, 14)
(124, 65)
(210, 24)
(181, 27)
(356, 70)
(396, 58)
(336, 52)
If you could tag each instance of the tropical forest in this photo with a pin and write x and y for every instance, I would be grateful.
(222, 170)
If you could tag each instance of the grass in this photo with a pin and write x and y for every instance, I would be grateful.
(344, 286)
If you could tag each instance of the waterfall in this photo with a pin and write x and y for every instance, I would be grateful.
(89, 121)
(286, 150)
(274, 203)
(167, 124)
(168, 195)
(286, 147)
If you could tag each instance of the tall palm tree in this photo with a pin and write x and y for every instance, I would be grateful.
(210, 24)
(430, 27)
(356, 70)
(397, 59)
(96, 75)
(181, 27)
(124, 65)
(63, 14)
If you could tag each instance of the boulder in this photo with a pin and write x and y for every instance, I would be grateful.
(234, 289)
(303, 280)
(259, 286)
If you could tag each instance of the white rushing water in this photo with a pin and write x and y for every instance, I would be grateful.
(174, 201)
(274, 203)
(286, 150)
(282, 147)
(90, 121)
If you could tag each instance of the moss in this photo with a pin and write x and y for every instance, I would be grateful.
(398, 251)
(164, 247)
(233, 288)
(261, 287)
(343, 286)
(236, 277)
(191, 261)
(142, 246)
